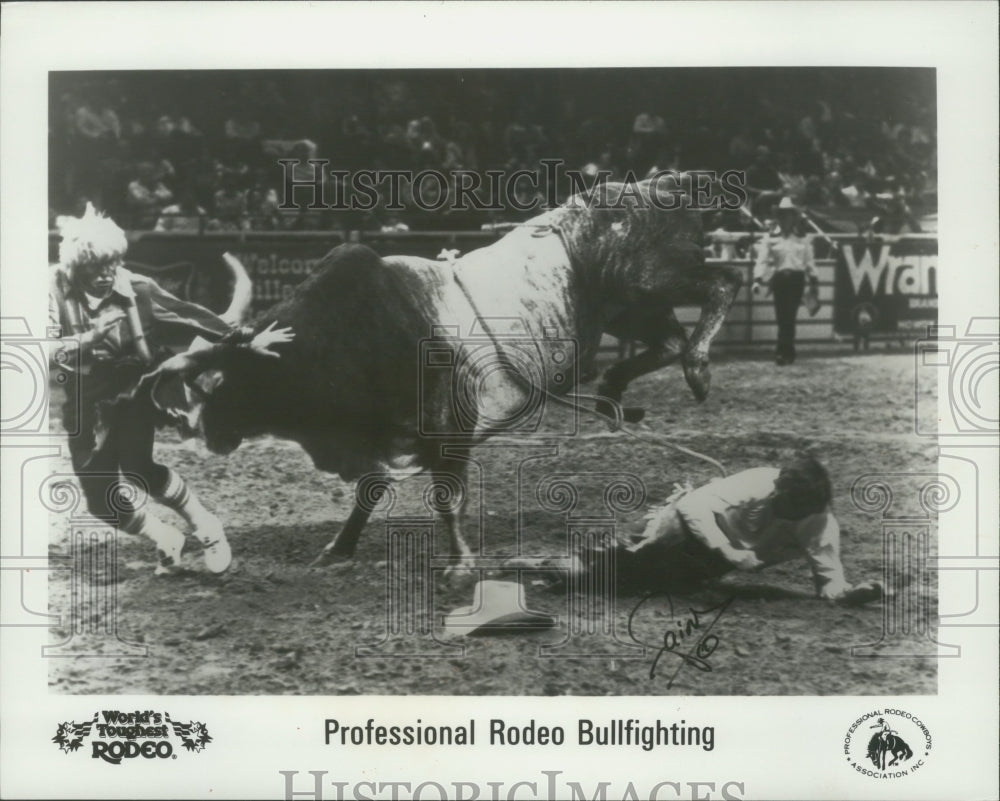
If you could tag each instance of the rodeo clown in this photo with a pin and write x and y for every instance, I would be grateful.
(121, 324)
(756, 518)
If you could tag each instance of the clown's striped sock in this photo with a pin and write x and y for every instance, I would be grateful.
(169, 541)
(134, 523)
(207, 527)
(175, 494)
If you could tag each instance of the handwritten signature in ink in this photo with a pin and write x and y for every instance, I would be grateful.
(680, 638)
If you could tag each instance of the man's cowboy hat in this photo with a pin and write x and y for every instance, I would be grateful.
(648, 123)
(787, 204)
(497, 606)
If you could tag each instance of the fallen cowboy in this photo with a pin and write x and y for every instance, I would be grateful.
(745, 522)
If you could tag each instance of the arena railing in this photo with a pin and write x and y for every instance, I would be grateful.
(278, 260)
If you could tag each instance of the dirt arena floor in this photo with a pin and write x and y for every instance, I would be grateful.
(274, 626)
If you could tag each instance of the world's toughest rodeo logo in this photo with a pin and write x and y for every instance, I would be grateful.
(130, 735)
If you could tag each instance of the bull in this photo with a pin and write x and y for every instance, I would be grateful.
(352, 390)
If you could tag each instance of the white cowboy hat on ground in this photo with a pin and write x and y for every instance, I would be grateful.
(497, 606)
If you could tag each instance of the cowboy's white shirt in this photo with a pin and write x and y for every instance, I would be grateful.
(780, 253)
(735, 512)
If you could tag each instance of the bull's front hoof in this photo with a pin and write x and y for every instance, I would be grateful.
(331, 559)
(699, 378)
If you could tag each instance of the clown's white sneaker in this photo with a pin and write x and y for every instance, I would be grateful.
(218, 554)
(169, 545)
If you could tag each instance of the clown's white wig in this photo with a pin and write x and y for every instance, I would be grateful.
(92, 237)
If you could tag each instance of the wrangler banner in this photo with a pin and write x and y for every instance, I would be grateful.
(884, 286)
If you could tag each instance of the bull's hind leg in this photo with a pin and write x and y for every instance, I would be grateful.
(448, 495)
(721, 285)
(341, 549)
(666, 345)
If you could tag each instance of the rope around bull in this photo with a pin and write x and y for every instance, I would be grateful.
(645, 435)
(617, 426)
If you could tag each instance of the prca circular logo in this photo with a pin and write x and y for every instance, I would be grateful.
(887, 744)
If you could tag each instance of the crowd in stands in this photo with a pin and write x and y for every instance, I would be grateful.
(193, 151)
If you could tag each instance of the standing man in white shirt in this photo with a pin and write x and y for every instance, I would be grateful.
(760, 517)
(785, 264)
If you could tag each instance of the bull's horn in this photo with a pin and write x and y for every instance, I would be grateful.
(242, 291)
(186, 365)
(192, 362)
(202, 356)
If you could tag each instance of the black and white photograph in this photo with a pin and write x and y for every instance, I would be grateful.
(627, 366)
(430, 407)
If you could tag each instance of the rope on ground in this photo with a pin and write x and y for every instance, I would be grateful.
(618, 427)
(659, 439)
(643, 435)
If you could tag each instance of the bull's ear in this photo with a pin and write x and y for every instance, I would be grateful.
(168, 393)
(206, 383)
(192, 391)
(213, 380)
